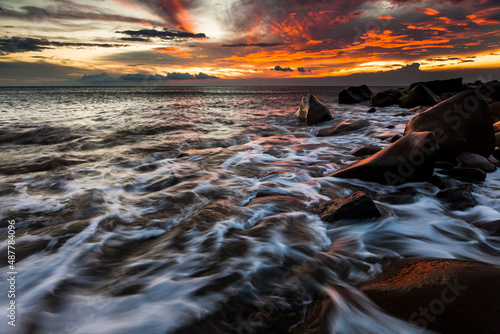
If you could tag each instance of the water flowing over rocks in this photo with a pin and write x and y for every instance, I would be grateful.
(343, 128)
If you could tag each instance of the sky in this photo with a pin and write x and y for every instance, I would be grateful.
(254, 42)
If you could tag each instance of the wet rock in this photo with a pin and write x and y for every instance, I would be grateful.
(386, 98)
(465, 173)
(459, 198)
(343, 127)
(355, 206)
(495, 109)
(442, 86)
(395, 138)
(492, 227)
(497, 139)
(461, 124)
(355, 95)
(472, 160)
(366, 150)
(420, 95)
(371, 110)
(496, 154)
(441, 182)
(317, 318)
(410, 159)
(390, 126)
(491, 90)
(398, 198)
(496, 127)
(312, 111)
(281, 203)
(443, 295)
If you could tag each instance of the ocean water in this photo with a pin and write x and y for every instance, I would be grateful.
(194, 210)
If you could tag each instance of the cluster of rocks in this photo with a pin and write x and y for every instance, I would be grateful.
(458, 135)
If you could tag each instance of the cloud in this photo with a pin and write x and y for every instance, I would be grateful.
(301, 69)
(169, 76)
(165, 34)
(101, 78)
(242, 45)
(282, 69)
(22, 44)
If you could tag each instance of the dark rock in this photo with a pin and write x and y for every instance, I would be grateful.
(444, 164)
(386, 98)
(390, 126)
(398, 198)
(317, 319)
(371, 110)
(442, 86)
(465, 173)
(366, 150)
(461, 124)
(410, 159)
(343, 127)
(491, 90)
(472, 160)
(419, 95)
(395, 138)
(459, 198)
(496, 154)
(497, 139)
(312, 111)
(493, 227)
(354, 206)
(441, 182)
(355, 95)
(443, 295)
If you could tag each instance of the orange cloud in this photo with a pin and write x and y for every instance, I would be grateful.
(428, 11)
(174, 51)
(482, 17)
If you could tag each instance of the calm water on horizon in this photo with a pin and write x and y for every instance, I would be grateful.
(194, 210)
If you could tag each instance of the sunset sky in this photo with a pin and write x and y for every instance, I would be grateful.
(220, 42)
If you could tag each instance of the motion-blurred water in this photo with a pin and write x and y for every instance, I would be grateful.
(193, 210)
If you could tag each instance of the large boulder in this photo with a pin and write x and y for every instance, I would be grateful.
(355, 95)
(419, 95)
(491, 90)
(312, 111)
(442, 86)
(386, 98)
(410, 159)
(355, 206)
(443, 295)
(471, 160)
(343, 127)
(462, 123)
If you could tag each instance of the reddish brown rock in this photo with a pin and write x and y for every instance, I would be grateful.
(366, 150)
(419, 95)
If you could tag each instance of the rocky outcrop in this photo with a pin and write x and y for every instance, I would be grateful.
(410, 159)
(419, 95)
(354, 206)
(355, 95)
(443, 295)
(462, 123)
(343, 127)
(386, 98)
(442, 86)
(312, 111)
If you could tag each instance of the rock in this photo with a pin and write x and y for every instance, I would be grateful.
(496, 127)
(395, 138)
(343, 127)
(495, 109)
(371, 110)
(496, 154)
(386, 135)
(312, 111)
(390, 126)
(442, 86)
(491, 90)
(472, 160)
(398, 198)
(459, 198)
(355, 95)
(465, 173)
(461, 124)
(410, 159)
(354, 206)
(493, 227)
(419, 95)
(443, 295)
(366, 150)
(386, 98)
(497, 140)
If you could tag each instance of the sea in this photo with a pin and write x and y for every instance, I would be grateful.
(195, 210)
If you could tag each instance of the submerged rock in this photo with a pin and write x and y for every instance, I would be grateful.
(366, 150)
(443, 295)
(465, 173)
(462, 123)
(472, 160)
(410, 159)
(343, 127)
(459, 198)
(312, 112)
(355, 95)
(354, 206)
(442, 86)
(420, 95)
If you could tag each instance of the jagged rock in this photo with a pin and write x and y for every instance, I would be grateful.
(354, 206)
(443, 295)
(366, 150)
(461, 124)
(442, 86)
(472, 160)
(386, 98)
(419, 95)
(343, 127)
(312, 111)
(355, 95)
(459, 198)
(465, 173)
(410, 159)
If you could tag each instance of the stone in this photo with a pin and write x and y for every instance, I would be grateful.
(472, 160)
(442, 86)
(312, 111)
(386, 98)
(410, 159)
(371, 110)
(395, 138)
(366, 150)
(355, 95)
(491, 90)
(419, 95)
(475, 174)
(459, 198)
(462, 123)
(443, 295)
(343, 127)
(497, 139)
(496, 154)
(495, 109)
(355, 206)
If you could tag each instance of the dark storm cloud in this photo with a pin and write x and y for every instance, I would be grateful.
(282, 69)
(301, 69)
(102, 78)
(21, 44)
(165, 34)
(169, 76)
(260, 45)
